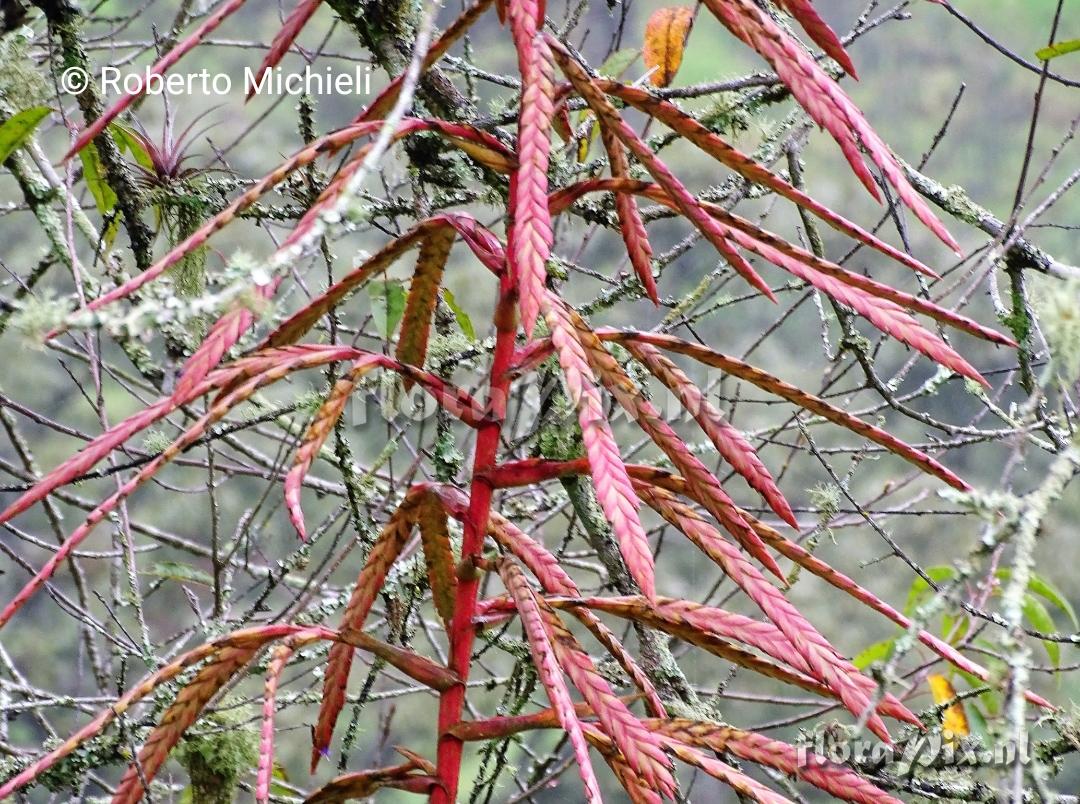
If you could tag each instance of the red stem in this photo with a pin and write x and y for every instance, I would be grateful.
(462, 629)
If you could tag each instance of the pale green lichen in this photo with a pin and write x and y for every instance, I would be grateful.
(825, 498)
(558, 268)
(392, 397)
(69, 774)
(998, 507)
(959, 205)
(156, 442)
(1058, 307)
(635, 371)
(691, 299)
(728, 115)
(21, 86)
(162, 310)
(38, 315)
(453, 349)
(310, 401)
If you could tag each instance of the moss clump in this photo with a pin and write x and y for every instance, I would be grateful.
(216, 756)
(451, 350)
(559, 438)
(181, 221)
(1018, 322)
(446, 455)
(730, 115)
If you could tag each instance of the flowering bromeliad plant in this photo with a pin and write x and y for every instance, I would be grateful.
(531, 323)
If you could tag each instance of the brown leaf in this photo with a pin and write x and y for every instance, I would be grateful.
(665, 39)
(438, 556)
(370, 581)
(423, 296)
(363, 784)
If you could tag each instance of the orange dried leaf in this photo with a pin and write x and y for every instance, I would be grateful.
(665, 39)
(954, 722)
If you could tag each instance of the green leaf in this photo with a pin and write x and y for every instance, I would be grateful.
(104, 196)
(462, 317)
(990, 700)
(619, 62)
(1043, 588)
(1057, 49)
(94, 174)
(954, 627)
(177, 571)
(280, 776)
(878, 652)
(17, 129)
(977, 721)
(1036, 614)
(387, 305)
(920, 589)
(128, 141)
